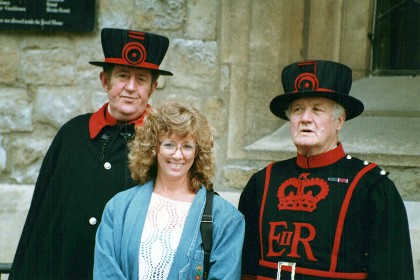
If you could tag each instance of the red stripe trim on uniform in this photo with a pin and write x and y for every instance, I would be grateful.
(267, 182)
(317, 273)
(343, 213)
(264, 278)
(125, 62)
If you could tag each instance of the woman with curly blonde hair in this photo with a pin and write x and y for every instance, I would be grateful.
(173, 120)
(152, 231)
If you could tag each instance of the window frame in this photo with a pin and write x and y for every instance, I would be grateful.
(393, 40)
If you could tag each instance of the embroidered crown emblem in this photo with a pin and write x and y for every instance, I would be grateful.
(301, 194)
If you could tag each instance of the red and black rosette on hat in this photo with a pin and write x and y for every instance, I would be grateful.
(133, 48)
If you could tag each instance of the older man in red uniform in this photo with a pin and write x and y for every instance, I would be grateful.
(323, 214)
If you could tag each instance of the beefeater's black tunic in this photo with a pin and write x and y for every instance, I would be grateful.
(77, 177)
(335, 216)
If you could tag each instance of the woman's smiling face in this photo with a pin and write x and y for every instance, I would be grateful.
(175, 156)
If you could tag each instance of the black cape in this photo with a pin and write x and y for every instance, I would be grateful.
(77, 177)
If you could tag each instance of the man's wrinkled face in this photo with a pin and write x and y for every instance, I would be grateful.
(129, 90)
(313, 127)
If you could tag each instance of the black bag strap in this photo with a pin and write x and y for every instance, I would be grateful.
(206, 228)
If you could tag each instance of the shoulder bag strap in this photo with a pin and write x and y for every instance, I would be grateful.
(206, 229)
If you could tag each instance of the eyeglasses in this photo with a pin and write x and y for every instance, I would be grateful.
(168, 148)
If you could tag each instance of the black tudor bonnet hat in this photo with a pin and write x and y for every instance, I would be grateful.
(133, 48)
(316, 78)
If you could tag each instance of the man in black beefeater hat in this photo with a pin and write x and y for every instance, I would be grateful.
(86, 163)
(322, 214)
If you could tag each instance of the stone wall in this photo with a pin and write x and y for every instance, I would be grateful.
(226, 56)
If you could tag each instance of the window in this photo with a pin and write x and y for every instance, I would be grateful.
(396, 38)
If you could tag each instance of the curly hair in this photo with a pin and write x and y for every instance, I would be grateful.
(179, 120)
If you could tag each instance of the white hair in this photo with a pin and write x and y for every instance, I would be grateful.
(338, 110)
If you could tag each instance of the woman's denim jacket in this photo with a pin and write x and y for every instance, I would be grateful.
(118, 238)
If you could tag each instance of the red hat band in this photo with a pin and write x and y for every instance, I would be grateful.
(124, 61)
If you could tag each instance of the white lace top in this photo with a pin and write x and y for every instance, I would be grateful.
(162, 231)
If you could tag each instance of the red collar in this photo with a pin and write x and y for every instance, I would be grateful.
(102, 118)
(321, 160)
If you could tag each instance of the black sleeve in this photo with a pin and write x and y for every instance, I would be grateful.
(248, 205)
(390, 255)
